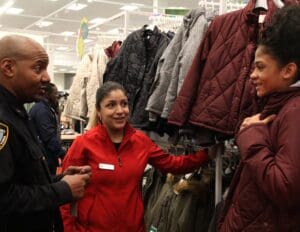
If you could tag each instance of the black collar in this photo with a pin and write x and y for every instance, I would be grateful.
(12, 102)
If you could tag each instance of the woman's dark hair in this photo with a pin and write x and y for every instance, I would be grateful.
(105, 89)
(281, 38)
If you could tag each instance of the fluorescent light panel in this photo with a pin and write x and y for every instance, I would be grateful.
(67, 33)
(44, 24)
(114, 31)
(129, 7)
(88, 40)
(14, 11)
(76, 6)
(62, 48)
(5, 6)
(96, 20)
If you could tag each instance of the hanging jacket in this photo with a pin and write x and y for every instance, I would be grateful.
(113, 50)
(77, 94)
(113, 199)
(96, 79)
(135, 66)
(176, 60)
(217, 93)
(264, 193)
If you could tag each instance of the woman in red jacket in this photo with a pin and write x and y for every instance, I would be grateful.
(264, 194)
(118, 155)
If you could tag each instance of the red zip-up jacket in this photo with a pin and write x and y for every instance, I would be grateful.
(113, 200)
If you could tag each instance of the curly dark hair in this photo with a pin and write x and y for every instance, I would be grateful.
(281, 38)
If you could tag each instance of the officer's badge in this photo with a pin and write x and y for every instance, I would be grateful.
(4, 131)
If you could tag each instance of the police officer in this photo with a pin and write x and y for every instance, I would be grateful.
(29, 197)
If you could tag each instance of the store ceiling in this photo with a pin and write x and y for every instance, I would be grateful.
(62, 19)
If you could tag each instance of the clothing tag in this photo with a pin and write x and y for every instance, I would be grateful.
(106, 166)
(261, 18)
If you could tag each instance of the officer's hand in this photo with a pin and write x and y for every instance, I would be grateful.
(71, 170)
(77, 184)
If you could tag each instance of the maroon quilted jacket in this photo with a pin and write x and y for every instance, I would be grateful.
(216, 93)
(264, 194)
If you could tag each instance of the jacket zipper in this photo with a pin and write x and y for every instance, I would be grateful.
(119, 160)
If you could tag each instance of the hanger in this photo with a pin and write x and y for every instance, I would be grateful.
(264, 5)
(150, 27)
(261, 4)
(278, 3)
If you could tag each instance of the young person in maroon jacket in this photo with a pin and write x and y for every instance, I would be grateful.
(118, 155)
(264, 194)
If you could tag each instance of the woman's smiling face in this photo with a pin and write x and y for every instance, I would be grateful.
(268, 76)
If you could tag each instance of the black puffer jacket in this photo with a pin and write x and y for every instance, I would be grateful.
(135, 66)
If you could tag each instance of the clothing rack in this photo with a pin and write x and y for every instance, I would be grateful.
(165, 144)
(130, 21)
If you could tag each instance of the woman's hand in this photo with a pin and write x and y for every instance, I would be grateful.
(255, 119)
(213, 150)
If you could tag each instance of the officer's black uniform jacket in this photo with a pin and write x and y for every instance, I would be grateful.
(29, 198)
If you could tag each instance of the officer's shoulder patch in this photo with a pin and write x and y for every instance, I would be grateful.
(4, 131)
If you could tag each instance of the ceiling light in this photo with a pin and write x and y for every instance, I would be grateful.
(62, 48)
(14, 11)
(67, 33)
(1, 25)
(129, 7)
(114, 31)
(96, 20)
(5, 6)
(76, 6)
(42, 24)
(88, 40)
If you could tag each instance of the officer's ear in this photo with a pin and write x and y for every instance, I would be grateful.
(8, 67)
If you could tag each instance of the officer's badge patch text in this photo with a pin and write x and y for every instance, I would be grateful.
(4, 131)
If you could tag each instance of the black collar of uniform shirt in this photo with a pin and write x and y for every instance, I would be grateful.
(12, 101)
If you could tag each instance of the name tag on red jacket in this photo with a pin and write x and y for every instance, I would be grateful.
(106, 166)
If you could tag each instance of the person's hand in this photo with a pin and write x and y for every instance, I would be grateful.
(77, 184)
(255, 119)
(213, 150)
(71, 170)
